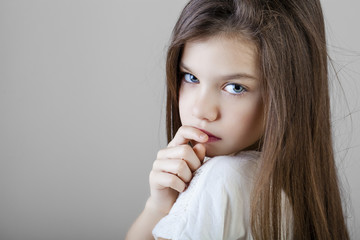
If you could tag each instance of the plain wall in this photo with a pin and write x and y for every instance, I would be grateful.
(82, 112)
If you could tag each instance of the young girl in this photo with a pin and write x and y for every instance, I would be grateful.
(248, 125)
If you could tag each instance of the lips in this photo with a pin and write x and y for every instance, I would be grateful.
(212, 138)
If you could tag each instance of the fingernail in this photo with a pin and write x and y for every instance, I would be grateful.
(203, 136)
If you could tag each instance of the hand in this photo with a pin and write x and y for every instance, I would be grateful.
(174, 166)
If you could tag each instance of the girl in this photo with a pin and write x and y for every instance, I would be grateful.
(248, 126)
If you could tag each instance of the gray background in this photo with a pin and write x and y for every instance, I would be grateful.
(81, 103)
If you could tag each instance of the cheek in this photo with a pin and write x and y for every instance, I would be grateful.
(248, 119)
(256, 120)
(183, 106)
(254, 115)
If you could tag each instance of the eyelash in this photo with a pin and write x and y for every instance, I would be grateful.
(192, 81)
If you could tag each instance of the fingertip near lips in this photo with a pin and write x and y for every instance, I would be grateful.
(203, 137)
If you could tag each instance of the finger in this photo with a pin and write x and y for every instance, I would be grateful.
(177, 167)
(163, 180)
(200, 151)
(187, 133)
(184, 152)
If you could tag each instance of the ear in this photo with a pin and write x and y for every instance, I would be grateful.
(200, 151)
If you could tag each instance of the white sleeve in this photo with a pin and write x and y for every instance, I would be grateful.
(215, 211)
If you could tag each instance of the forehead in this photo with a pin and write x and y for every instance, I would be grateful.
(221, 55)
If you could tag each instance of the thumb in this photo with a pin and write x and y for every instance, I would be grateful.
(200, 151)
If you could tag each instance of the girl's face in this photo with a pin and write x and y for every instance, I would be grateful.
(220, 93)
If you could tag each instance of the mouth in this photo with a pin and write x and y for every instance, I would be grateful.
(212, 138)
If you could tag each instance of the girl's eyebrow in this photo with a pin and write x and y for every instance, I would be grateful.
(225, 77)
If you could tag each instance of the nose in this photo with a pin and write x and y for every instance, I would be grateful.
(206, 107)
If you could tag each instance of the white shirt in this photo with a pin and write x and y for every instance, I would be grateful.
(216, 204)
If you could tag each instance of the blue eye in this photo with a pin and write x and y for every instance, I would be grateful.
(234, 88)
(190, 78)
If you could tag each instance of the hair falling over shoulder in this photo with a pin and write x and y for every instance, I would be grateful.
(297, 150)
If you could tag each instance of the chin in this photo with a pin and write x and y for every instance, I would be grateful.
(210, 152)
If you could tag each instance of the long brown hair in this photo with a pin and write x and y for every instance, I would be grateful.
(296, 152)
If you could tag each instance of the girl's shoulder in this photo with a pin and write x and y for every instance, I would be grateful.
(233, 175)
(217, 199)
